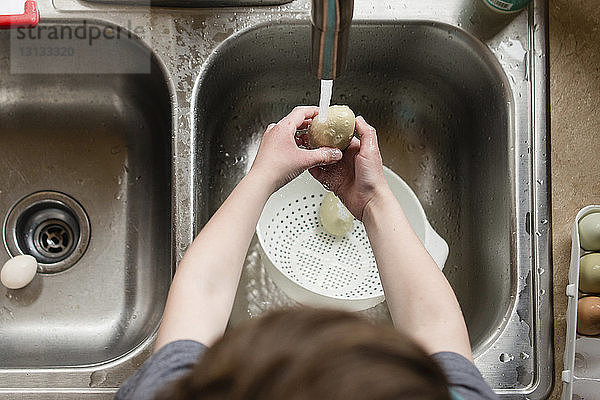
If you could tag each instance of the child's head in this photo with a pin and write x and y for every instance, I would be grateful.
(310, 354)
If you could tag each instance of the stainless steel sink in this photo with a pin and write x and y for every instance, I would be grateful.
(104, 141)
(439, 101)
(459, 100)
(444, 110)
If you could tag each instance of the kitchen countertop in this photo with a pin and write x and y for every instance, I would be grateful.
(575, 126)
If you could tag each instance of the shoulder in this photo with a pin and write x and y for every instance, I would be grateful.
(165, 366)
(464, 377)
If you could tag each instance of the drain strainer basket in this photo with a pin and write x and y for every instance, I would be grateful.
(316, 268)
(50, 226)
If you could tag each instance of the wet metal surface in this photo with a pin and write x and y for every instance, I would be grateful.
(458, 97)
(430, 117)
(104, 140)
(51, 226)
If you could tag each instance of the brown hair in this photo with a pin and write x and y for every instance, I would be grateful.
(310, 354)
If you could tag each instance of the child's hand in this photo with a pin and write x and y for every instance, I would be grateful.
(279, 158)
(358, 178)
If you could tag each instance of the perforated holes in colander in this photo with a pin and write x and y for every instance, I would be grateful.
(305, 253)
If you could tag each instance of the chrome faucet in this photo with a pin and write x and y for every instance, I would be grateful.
(331, 20)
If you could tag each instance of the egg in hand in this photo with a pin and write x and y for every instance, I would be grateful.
(334, 131)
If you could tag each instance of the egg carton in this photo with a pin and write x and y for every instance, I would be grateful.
(581, 374)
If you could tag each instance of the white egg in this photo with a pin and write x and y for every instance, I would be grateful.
(335, 217)
(18, 272)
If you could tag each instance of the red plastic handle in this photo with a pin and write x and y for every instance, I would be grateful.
(29, 19)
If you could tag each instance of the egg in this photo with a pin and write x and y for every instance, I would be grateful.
(18, 272)
(589, 273)
(335, 131)
(588, 316)
(589, 231)
(335, 217)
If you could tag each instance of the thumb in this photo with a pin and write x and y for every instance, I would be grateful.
(322, 156)
(368, 138)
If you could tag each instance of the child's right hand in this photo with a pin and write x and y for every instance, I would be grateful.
(279, 157)
(358, 178)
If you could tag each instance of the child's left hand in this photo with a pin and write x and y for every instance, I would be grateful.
(279, 158)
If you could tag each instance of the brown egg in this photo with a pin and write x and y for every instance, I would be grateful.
(588, 316)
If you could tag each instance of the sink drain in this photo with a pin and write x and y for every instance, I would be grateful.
(50, 226)
(54, 239)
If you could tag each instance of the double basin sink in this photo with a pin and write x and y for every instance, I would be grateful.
(150, 154)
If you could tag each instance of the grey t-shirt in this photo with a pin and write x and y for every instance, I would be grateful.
(178, 358)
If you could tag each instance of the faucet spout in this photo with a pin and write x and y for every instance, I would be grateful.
(331, 20)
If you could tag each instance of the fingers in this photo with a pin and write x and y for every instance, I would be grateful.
(350, 153)
(321, 156)
(271, 126)
(305, 124)
(368, 136)
(354, 146)
(296, 118)
(302, 141)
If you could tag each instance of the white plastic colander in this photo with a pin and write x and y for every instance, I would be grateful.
(316, 268)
